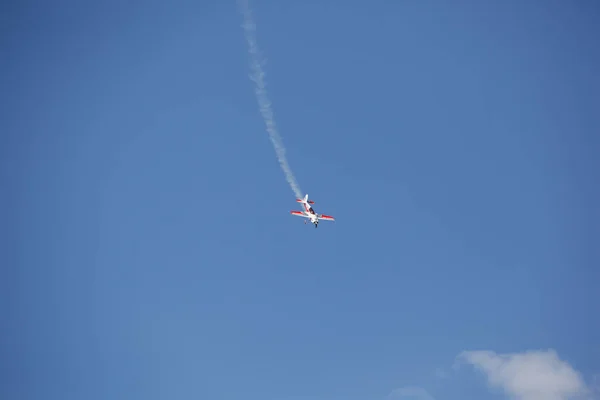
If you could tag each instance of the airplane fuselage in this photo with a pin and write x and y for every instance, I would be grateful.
(310, 212)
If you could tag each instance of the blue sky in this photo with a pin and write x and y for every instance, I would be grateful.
(148, 251)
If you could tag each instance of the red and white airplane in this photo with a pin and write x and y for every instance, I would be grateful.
(310, 213)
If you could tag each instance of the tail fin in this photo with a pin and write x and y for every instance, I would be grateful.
(304, 200)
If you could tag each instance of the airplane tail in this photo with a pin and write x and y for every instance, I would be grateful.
(305, 200)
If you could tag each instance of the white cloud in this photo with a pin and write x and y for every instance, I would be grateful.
(410, 393)
(533, 375)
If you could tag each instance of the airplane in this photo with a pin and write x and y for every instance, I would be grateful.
(310, 213)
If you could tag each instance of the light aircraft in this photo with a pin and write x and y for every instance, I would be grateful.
(308, 212)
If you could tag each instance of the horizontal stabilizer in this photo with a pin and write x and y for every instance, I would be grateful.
(302, 201)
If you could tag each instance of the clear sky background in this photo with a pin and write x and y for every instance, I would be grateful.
(147, 247)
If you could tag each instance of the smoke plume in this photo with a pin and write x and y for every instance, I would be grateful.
(258, 77)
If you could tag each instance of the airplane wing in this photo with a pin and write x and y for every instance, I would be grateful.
(299, 214)
(327, 217)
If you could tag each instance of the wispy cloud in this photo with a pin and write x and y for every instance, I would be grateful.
(533, 375)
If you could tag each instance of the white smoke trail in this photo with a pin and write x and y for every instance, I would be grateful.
(258, 77)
